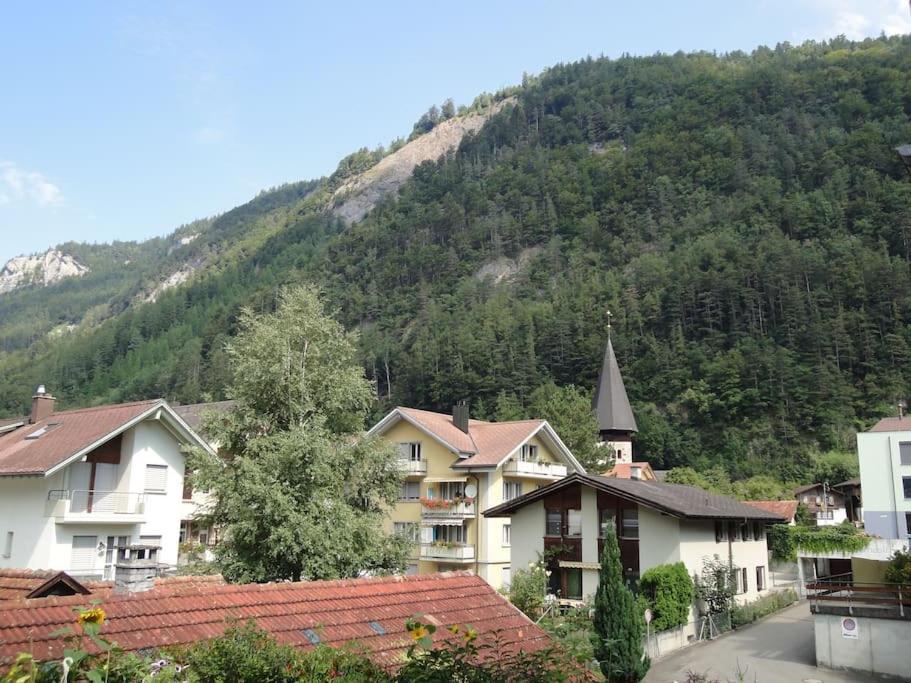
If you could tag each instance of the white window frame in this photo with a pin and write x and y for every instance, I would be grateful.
(507, 535)
(760, 578)
(528, 453)
(161, 471)
(410, 451)
(410, 530)
(511, 487)
(404, 497)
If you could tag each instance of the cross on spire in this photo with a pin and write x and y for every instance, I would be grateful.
(609, 316)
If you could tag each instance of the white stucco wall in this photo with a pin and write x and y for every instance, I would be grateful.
(698, 542)
(881, 475)
(659, 539)
(527, 535)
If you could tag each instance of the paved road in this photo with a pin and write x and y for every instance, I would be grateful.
(778, 649)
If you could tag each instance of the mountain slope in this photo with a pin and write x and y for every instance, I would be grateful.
(743, 216)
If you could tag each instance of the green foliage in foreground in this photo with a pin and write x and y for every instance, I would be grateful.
(785, 541)
(528, 589)
(899, 568)
(670, 592)
(761, 607)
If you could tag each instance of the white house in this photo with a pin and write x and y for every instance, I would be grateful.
(656, 523)
(76, 484)
(885, 476)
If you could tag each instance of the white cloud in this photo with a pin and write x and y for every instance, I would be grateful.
(20, 184)
(858, 19)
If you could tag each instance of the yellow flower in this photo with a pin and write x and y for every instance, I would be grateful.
(419, 632)
(454, 628)
(470, 635)
(91, 616)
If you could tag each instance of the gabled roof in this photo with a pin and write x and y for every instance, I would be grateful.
(40, 449)
(370, 611)
(786, 509)
(610, 402)
(686, 502)
(486, 445)
(623, 470)
(37, 583)
(893, 424)
(192, 413)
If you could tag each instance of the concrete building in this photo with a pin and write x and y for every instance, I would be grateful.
(454, 468)
(656, 523)
(884, 453)
(74, 485)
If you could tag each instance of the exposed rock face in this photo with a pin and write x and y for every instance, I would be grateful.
(354, 199)
(505, 268)
(178, 277)
(43, 269)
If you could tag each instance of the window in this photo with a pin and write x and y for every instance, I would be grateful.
(450, 490)
(156, 478)
(450, 534)
(744, 532)
(629, 523)
(82, 553)
(409, 530)
(507, 534)
(904, 453)
(906, 483)
(757, 531)
(719, 532)
(805, 500)
(410, 451)
(110, 553)
(574, 522)
(908, 524)
(410, 490)
(8, 546)
(732, 531)
(507, 577)
(760, 578)
(529, 453)
(573, 584)
(743, 587)
(608, 518)
(511, 489)
(824, 514)
(554, 524)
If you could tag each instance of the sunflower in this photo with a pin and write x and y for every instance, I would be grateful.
(91, 616)
(419, 631)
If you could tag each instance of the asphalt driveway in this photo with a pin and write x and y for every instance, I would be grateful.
(778, 649)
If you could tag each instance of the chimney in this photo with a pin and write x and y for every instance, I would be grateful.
(136, 568)
(42, 405)
(460, 415)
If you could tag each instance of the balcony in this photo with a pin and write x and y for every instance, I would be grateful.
(441, 508)
(412, 468)
(544, 470)
(94, 506)
(447, 552)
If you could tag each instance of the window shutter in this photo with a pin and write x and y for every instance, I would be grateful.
(156, 478)
(426, 534)
(83, 552)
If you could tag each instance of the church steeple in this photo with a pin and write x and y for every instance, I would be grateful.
(616, 423)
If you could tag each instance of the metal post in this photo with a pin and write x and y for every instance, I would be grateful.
(901, 604)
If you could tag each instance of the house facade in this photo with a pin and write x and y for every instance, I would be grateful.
(825, 503)
(75, 485)
(884, 453)
(453, 468)
(655, 523)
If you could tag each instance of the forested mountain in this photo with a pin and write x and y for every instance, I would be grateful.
(743, 216)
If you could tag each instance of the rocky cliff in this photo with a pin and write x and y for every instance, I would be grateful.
(41, 269)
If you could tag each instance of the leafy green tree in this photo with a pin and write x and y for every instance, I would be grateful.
(618, 624)
(670, 592)
(568, 410)
(302, 495)
(528, 590)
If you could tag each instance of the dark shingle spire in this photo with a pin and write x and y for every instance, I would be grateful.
(610, 403)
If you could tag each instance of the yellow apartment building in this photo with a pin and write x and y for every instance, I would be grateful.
(455, 468)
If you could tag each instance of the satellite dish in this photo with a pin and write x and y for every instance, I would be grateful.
(471, 490)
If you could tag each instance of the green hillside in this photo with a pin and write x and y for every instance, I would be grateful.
(744, 217)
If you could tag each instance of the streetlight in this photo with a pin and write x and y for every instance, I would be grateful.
(904, 153)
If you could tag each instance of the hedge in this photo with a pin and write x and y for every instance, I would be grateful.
(669, 591)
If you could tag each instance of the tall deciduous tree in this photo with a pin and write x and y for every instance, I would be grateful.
(302, 495)
(618, 625)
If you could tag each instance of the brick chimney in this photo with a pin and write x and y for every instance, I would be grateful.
(460, 415)
(136, 568)
(42, 405)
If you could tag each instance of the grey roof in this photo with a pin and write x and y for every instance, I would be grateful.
(610, 403)
(687, 502)
(193, 413)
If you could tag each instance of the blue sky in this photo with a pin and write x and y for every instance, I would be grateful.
(123, 121)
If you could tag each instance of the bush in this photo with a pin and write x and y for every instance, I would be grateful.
(785, 541)
(899, 568)
(527, 590)
(747, 614)
(669, 591)
(573, 630)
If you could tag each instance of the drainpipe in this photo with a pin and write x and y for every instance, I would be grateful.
(477, 524)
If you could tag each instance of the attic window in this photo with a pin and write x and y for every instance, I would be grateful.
(377, 628)
(311, 635)
(38, 433)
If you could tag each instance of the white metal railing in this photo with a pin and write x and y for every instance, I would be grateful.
(93, 501)
(440, 507)
(447, 551)
(539, 469)
(409, 466)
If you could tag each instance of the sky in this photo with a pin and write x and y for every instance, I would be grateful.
(123, 121)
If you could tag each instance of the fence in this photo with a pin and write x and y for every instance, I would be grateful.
(837, 594)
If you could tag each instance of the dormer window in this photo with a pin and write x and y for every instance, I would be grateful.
(529, 453)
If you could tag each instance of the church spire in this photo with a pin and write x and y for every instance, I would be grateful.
(610, 403)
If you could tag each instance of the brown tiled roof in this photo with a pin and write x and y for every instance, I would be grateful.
(486, 442)
(31, 583)
(786, 509)
(675, 499)
(370, 611)
(68, 432)
(623, 470)
(893, 424)
(193, 413)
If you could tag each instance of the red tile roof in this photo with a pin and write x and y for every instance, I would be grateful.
(23, 583)
(68, 432)
(786, 509)
(622, 470)
(893, 424)
(487, 442)
(338, 611)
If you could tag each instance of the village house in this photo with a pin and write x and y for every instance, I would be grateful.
(77, 484)
(825, 503)
(455, 467)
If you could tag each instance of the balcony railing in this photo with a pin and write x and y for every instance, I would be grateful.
(837, 595)
(81, 505)
(413, 467)
(445, 551)
(535, 469)
(449, 509)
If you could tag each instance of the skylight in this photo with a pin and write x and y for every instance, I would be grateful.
(312, 636)
(42, 431)
(377, 628)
